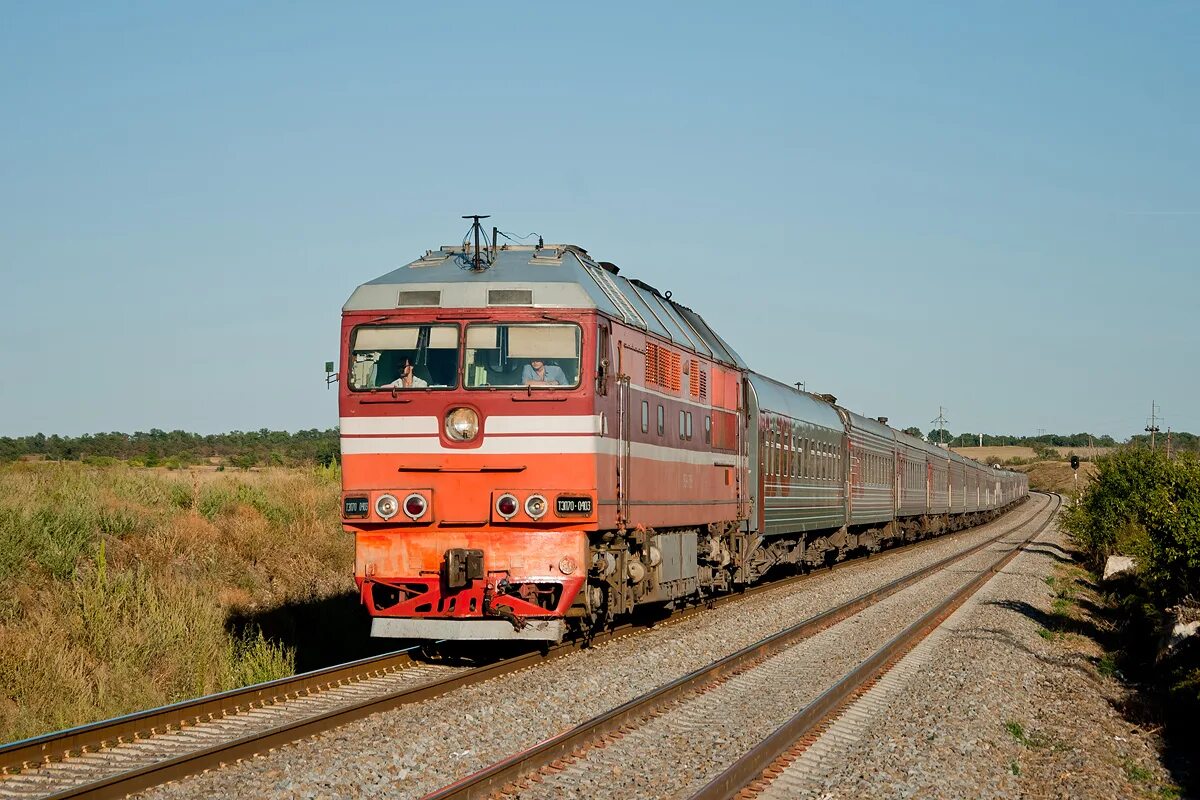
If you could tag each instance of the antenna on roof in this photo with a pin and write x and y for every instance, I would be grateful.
(478, 262)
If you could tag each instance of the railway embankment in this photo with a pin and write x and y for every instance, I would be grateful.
(1015, 696)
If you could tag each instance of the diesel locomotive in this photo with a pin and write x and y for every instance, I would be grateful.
(534, 444)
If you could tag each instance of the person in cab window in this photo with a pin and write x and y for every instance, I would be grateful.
(406, 380)
(539, 373)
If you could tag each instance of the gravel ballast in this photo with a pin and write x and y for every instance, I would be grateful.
(413, 750)
(1001, 707)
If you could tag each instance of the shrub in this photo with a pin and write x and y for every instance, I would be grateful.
(1147, 506)
(243, 460)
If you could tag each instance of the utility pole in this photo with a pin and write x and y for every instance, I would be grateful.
(1152, 428)
(941, 424)
(1168, 443)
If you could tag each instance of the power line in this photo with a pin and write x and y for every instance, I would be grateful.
(1152, 427)
(941, 424)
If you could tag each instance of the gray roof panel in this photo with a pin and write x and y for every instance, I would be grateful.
(783, 399)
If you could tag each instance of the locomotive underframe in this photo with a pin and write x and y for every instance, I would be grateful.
(645, 567)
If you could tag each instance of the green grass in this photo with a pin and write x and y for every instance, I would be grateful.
(1107, 665)
(1137, 773)
(1017, 731)
(1014, 768)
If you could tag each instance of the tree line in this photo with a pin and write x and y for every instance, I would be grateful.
(180, 448)
(314, 446)
(967, 439)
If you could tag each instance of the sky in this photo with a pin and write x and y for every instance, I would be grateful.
(991, 208)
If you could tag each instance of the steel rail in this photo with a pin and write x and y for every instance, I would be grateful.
(96, 737)
(751, 768)
(494, 778)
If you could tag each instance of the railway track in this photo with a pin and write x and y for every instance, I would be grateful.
(131, 753)
(620, 753)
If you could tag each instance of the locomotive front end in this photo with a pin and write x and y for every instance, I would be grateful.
(470, 442)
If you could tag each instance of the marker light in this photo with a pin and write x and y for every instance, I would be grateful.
(506, 506)
(462, 424)
(415, 505)
(386, 506)
(535, 506)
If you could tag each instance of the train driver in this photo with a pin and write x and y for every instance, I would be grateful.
(539, 373)
(407, 380)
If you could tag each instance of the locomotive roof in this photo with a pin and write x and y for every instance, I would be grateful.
(551, 276)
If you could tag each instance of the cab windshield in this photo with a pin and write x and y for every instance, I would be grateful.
(404, 357)
(539, 355)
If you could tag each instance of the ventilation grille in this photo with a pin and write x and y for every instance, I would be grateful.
(699, 380)
(662, 367)
(418, 298)
(510, 297)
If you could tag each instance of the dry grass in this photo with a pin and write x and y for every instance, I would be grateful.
(1001, 455)
(1057, 476)
(117, 584)
(994, 455)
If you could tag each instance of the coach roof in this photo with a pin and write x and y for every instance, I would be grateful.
(552, 276)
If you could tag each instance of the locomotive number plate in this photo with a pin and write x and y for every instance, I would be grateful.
(573, 505)
(356, 507)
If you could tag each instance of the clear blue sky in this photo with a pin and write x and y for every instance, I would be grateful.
(990, 207)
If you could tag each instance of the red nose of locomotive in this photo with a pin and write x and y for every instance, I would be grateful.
(470, 478)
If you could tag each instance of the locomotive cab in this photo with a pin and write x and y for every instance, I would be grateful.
(470, 437)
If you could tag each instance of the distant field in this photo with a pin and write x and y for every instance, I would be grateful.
(1085, 452)
(991, 455)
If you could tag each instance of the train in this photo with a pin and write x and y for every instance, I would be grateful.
(535, 445)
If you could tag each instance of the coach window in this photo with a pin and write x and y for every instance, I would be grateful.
(662, 419)
(708, 429)
(403, 357)
(645, 416)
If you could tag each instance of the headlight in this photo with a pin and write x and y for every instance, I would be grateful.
(386, 506)
(535, 506)
(506, 506)
(415, 505)
(462, 424)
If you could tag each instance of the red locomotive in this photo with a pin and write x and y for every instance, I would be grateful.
(534, 444)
